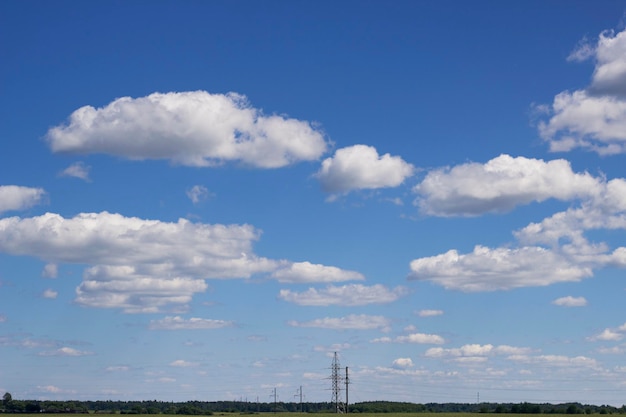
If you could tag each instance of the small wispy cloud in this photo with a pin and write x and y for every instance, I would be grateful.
(198, 193)
(194, 323)
(353, 321)
(49, 293)
(65, 351)
(50, 271)
(570, 301)
(419, 338)
(77, 170)
(180, 363)
(429, 313)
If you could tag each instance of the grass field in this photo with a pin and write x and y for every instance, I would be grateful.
(310, 415)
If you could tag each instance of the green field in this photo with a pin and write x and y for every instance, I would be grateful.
(460, 414)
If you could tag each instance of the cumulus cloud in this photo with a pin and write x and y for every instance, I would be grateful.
(607, 335)
(402, 363)
(77, 170)
(487, 269)
(353, 321)
(360, 167)
(192, 128)
(194, 323)
(347, 295)
(500, 185)
(551, 251)
(306, 272)
(139, 265)
(198, 193)
(610, 334)
(570, 301)
(593, 118)
(556, 360)
(14, 197)
(477, 350)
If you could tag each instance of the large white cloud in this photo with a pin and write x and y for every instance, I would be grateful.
(138, 265)
(346, 295)
(594, 118)
(360, 167)
(193, 128)
(147, 265)
(551, 251)
(476, 350)
(487, 269)
(14, 197)
(160, 248)
(500, 185)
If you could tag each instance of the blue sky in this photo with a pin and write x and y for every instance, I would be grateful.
(206, 200)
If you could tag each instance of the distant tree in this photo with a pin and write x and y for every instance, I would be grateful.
(6, 399)
(32, 407)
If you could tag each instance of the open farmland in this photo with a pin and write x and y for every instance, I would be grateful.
(285, 414)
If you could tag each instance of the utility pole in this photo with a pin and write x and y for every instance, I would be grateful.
(347, 382)
(336, 385)
(300, 394)
(275, 395)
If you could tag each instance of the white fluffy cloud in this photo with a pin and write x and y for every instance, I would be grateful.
(500, 185)
(476, 350)
(353, 321)
(594, 118)
(346, 295)
(551, 251)
(146, 266)
(570, 301)
(192, 128)
(14, 197)
(360, 167)
(609, 334)
(138, 265)
(194, 323)
(487, 269)
(402, 363)
(306, 272)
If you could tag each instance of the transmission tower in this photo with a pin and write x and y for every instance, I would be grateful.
(336, 379)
